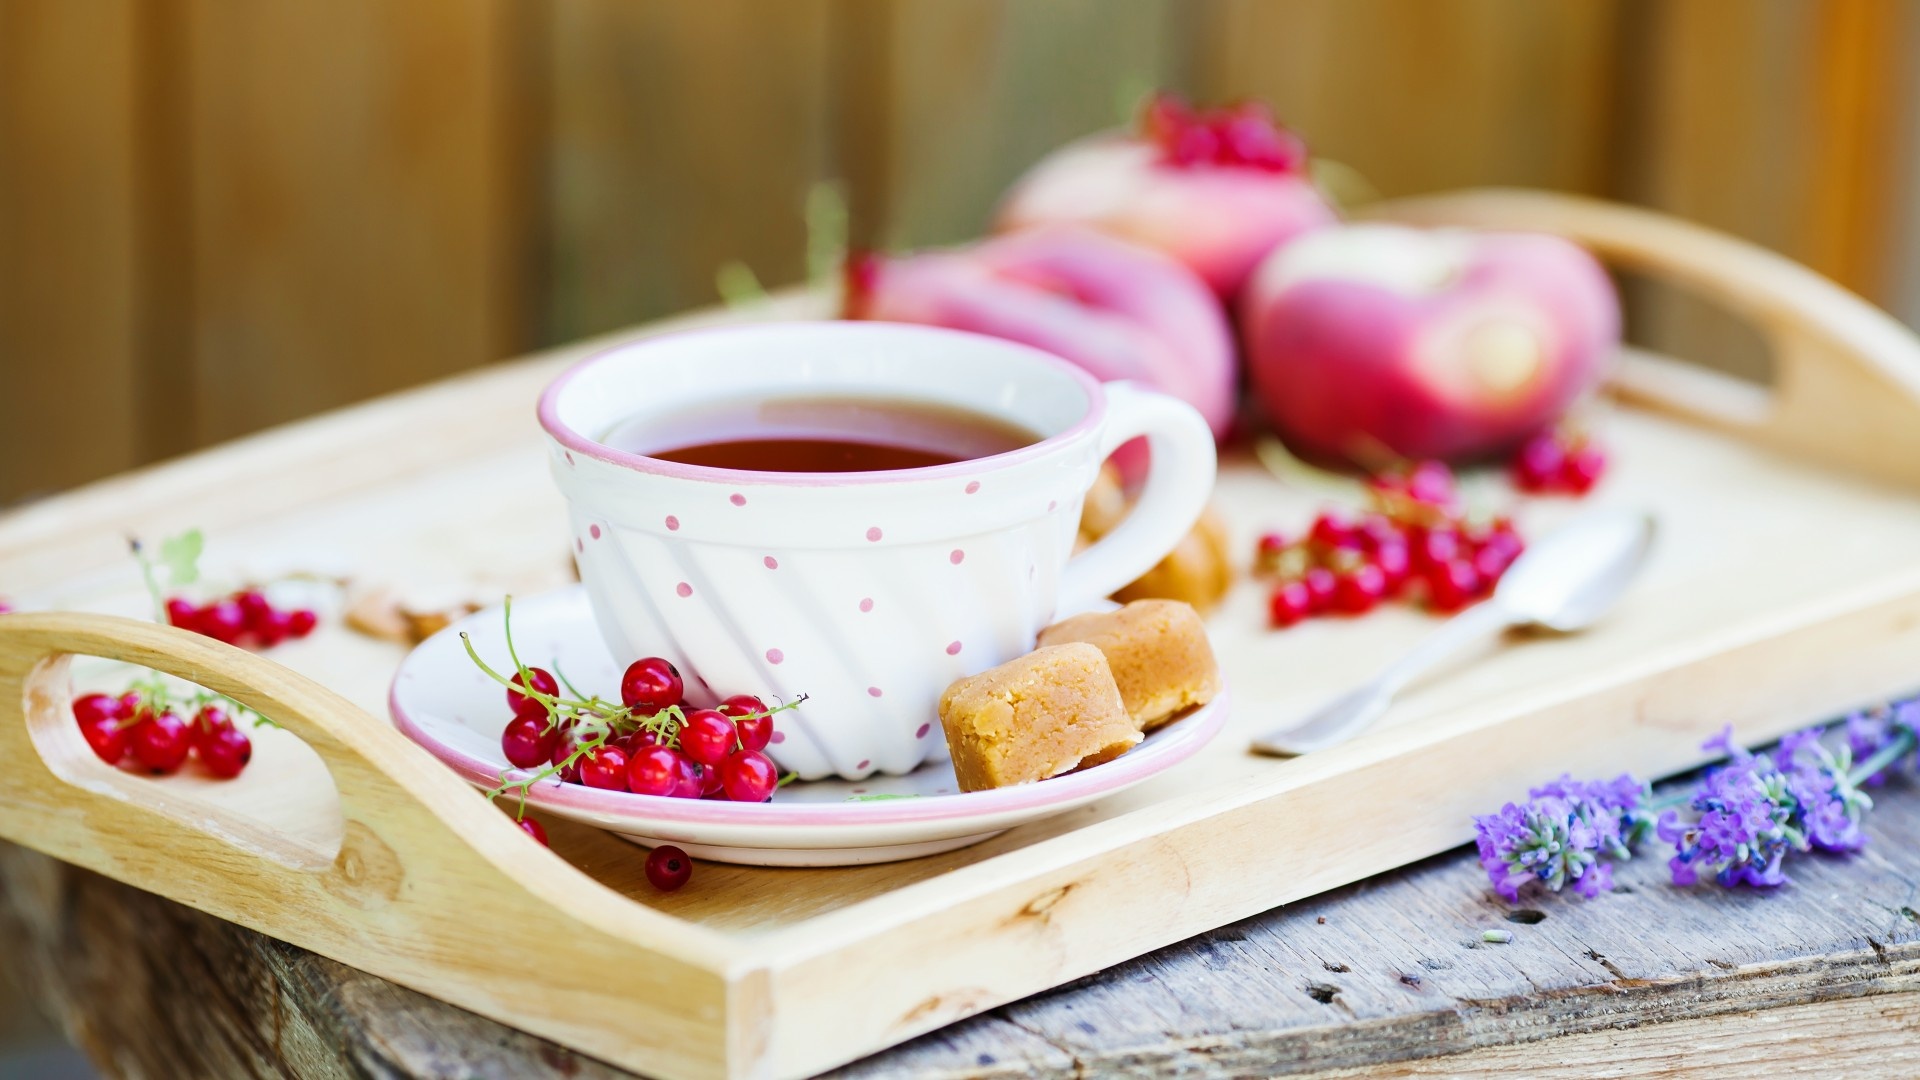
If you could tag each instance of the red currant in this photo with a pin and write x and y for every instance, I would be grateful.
(752, 718)
(1329, 532)
(226, 752)
(563, 748)
(254, 608)
(693, 778)
(651, 684)
(654, 770)
(1431, 482)
(668, 867)
(1395, 562)
(1538, 465)
(183, 613)
(1359, 590)
(108, 739)
(740, 705)
(527, 708)
(210, 720)
(93, 709)
(707, 736)
(301, 622)
(1375, 531)
(1320, 583)
(534, 829)
(528, 742)
(1452, 585)
(1290, 603)
(749, 776)
(1435, 547)
(1583, 469)
(221, 620)
(273, 628)
(160, 742)
(605, 768)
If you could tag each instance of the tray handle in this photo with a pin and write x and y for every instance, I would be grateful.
(1847, 391)
(412, 834)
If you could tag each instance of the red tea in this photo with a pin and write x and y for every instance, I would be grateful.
(820, 435)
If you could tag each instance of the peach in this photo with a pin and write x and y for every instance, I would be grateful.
(1425, 343)
(1118, 310)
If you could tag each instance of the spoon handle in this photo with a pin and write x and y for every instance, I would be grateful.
(1351, 713)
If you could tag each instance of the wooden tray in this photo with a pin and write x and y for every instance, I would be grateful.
(1783, 591)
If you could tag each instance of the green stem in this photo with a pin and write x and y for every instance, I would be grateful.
(1902, 744)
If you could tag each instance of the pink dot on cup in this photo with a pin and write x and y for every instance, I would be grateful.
(774, 656)
(683, 589)
(973, 486)
(922, 732)
(866, 604)
(579, 545)
(593, 531)
(863, 763)
(873, 691)
(1052, 504)
(673, 523)
(569, 454)
(957, 557)
(873, 532)
(953, 649)
(772, 563)
(737, 499)
(778, 736)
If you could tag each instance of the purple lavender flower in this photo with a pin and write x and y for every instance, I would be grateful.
(1560, 834)
(1870, 732)
(1754, 811)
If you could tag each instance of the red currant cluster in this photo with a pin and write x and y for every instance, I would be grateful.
(1558, 462)
(1243, 134)
(146, 728)
(647, 742)
(1415, 542)
(246, 617)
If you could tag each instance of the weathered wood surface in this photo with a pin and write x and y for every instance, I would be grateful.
(1387, 977)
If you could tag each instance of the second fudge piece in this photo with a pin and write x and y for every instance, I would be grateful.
(1036, 716)
(1158, 651)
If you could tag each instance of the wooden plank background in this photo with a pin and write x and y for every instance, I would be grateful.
(215, 217)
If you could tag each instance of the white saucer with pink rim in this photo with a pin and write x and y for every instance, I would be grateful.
(442, 701)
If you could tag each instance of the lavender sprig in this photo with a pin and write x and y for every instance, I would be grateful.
(1747, 814)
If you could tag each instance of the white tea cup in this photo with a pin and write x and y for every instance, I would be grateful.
(868, 592)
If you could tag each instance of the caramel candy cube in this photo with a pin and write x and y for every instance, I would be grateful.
(1159, 653)
(1037, 716)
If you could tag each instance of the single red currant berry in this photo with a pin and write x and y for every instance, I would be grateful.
(1395, 561)
(1497, 553)
(707, 737)
(108, 740)
(654, 770)
(1432, 483)
(221, 620)
(226, 752)
(254, 607)
(740, 705)
(1538, 465)
(209, 721)
(1583, 469)
(1359, 590)
(94, 709)
(273, 628)
(604, 768)
(527, 708)
(160, 743)
(1329, 532)
(301, 622)
(1435, 547)
(1289, 604)
(693, 777)
(1320, 583)
(651, 684)
(668, 867)
(182, 612)
(749, 776)
(528, 742)
(1452, 585)
(534, 829)
(1374, 530)
(563, 749)
(755, 731)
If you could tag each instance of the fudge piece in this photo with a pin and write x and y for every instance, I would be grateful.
(1197, 571)
(1158, 651)
(1037, 716)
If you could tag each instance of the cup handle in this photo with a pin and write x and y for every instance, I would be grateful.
(1179, 482)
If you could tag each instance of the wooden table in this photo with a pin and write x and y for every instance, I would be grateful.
(1388, 977)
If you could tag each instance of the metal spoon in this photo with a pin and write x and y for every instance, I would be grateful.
(1563, 583)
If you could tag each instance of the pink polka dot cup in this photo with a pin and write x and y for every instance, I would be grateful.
(869, 592)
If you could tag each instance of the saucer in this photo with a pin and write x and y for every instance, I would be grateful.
(442, 701)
